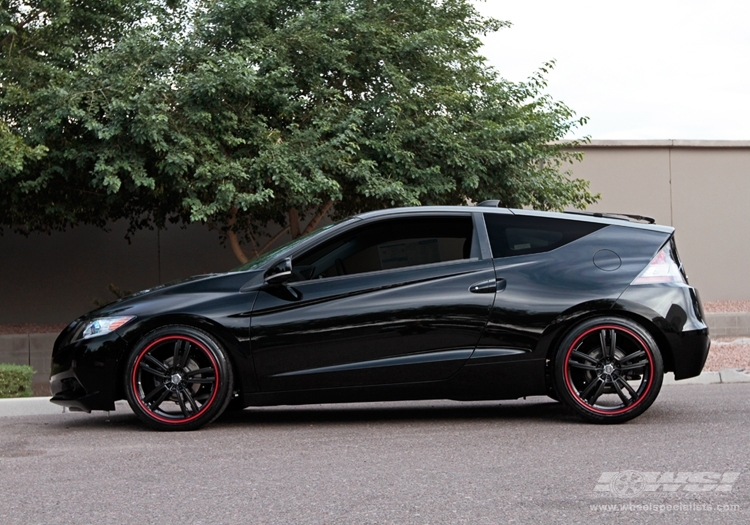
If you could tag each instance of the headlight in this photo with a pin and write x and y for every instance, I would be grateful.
(103, 325)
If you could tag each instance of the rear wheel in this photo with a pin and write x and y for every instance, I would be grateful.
(608, 370)
(178, 378)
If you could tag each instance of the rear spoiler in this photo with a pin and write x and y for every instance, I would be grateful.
(621, 216)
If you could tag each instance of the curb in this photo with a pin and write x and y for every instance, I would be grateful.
(728, 375)
(40, 406)
(734, 324)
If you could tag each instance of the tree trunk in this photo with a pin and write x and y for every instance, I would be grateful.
(234, 242)
(318, 216)
(294, 222)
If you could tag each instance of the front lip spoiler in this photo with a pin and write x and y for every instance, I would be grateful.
(70, 393)
(74, 405)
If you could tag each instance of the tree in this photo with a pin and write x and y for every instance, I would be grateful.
(241, 113)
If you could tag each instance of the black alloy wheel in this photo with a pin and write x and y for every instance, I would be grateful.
(178, 378)
(608, 370)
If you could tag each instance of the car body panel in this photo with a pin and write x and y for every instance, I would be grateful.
(405, 325)
(479, 327)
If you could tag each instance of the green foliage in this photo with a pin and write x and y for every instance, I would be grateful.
(15, 380)
(234, 112)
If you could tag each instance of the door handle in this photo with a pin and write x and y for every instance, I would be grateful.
(489, 286)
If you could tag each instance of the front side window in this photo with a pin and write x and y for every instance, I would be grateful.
(389, 244)
(522, 235)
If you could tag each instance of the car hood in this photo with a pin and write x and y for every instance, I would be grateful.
(195, 286)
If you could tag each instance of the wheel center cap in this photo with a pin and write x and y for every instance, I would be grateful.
(609, 368)
(176, 379)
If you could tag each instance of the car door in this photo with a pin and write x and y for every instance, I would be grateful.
(387, 301)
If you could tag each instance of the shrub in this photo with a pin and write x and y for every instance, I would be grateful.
(15, 380)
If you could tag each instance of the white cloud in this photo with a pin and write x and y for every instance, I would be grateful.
(660, 69)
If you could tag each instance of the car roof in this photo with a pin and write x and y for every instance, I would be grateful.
(570, 216)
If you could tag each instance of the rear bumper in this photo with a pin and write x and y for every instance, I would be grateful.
(690, 350)
(676, 313)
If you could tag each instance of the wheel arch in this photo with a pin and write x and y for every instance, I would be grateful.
(239, 356)
(557, 331)
(566, 321)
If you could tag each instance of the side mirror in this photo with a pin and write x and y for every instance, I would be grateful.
(279, 273)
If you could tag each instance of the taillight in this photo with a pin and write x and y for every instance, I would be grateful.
(661, 269)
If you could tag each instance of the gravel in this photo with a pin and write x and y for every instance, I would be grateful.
(728, 353)
(726, 307)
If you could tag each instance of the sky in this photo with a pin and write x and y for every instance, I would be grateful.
(658, 69)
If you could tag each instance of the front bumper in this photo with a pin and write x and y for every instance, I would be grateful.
(84, 373)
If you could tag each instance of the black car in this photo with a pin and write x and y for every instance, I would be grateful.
(464, 303)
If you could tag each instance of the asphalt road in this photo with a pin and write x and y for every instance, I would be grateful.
(423, 463)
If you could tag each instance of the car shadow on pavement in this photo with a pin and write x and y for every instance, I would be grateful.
(538, 409)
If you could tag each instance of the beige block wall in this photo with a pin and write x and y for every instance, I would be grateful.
(701, 188)
(629, 181)
(711, 203)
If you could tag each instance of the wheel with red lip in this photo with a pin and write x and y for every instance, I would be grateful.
(608, 370)
(178, 378)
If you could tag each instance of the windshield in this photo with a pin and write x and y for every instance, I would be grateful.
(256, 263)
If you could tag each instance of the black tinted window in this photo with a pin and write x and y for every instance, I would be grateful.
(389, 244)
(520, 235)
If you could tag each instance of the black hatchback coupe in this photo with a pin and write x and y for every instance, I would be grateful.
(465, 303)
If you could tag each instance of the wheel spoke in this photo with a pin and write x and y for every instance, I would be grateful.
(608, 350)
(595, 396)
(144, 367)
(603, 342)
(585, 357)
(185, 353)
(625, 399)
(631, 391)
(176, 354)
(164, 395)
(633, 366)
(182, 403)
(151, 395)
(154, 361)
(630, 357)
(590, 388)
(200, 380)
(583, 366)
(190, 399)
(199, 371)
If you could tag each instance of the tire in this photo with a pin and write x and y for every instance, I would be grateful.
(178, 378)
(606, 382)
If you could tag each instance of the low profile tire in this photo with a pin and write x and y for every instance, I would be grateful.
(178, 378)
(608, 370)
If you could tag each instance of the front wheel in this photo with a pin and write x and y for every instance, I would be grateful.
(178, 378)
(608, 370)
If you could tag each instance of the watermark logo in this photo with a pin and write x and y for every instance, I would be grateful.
(627, 484)
(632, 483)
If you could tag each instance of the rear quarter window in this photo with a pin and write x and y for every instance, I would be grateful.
(512, 235)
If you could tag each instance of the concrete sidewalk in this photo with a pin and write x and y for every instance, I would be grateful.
(38, 406)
